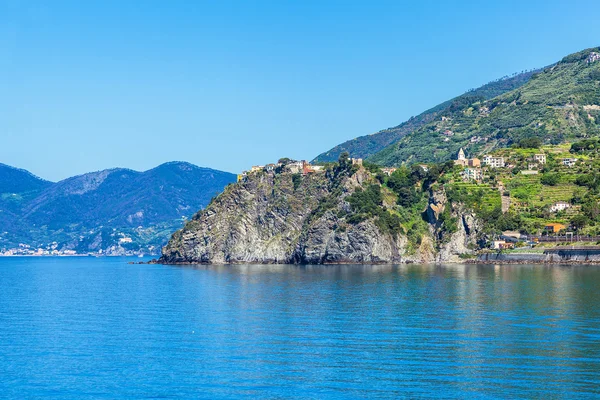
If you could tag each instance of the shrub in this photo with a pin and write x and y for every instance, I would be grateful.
(550, 179)
(296, 180)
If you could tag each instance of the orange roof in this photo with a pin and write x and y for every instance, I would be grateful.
(555, 226)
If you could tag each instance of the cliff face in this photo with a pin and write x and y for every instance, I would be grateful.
(282, 218)
(465, 232)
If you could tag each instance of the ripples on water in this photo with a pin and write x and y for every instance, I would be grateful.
(81, 327)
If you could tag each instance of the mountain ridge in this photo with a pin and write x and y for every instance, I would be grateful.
(133, 203)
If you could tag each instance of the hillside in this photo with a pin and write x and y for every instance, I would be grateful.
(95, 211)
(365, 146)
(559, 104)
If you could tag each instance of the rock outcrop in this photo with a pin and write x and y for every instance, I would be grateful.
(287, 218)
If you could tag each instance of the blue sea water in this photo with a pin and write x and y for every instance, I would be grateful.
(102, 328)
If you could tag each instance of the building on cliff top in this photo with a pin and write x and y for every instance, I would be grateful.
(270, 167)
(388, 171)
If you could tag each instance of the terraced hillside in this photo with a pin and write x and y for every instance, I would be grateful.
(536, 190)
(557, 105)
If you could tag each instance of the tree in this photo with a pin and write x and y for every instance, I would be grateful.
(579, 221)
(417, 172)
(344, 161)
(407, 197)
(401, 178)
(590, 208)
(530, 143)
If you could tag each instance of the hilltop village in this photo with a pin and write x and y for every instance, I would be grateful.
(286, 165)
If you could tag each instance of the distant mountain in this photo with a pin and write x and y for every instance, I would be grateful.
(560, 103)
(96, 210)
(365, 146)
(16, 180)
(17, 186)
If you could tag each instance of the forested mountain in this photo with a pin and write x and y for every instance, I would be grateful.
(96, 210)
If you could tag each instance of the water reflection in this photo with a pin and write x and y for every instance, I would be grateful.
(281, 331)
(468, 326)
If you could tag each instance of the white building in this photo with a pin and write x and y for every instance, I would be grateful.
(295, 167)
(569, 162)
(472, 174)
(540, 158)
(493, 162)
(559, 206)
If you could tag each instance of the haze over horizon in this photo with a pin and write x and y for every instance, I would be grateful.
(94, 86)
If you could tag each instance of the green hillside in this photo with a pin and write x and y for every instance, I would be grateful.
(365, 146)
(529, 190)
(559, 104)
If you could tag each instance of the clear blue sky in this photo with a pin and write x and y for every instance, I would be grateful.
(88, 85)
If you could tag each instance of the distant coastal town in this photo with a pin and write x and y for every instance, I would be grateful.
(54, 249)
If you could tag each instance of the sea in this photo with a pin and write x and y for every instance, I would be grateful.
(90, 328)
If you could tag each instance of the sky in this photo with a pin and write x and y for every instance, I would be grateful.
(89, 85)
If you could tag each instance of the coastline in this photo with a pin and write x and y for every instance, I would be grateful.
(473, 261)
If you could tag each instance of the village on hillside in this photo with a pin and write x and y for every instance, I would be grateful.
(545, 186)
(286, 165)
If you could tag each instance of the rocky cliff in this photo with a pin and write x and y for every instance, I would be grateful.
(462, 239)
(289, 218)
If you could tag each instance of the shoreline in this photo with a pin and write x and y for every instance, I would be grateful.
(468, 262)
